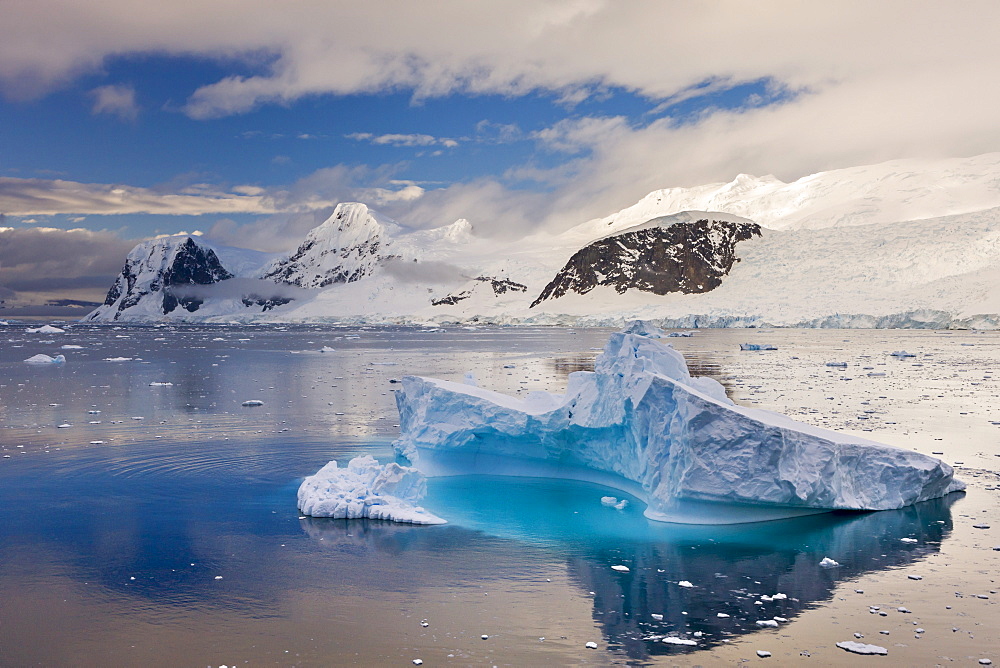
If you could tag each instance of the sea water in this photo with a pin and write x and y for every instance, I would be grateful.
(149, 516)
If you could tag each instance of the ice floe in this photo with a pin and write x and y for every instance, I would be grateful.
(45, 359)
(45, 329)
(366, 489)
(640, 423)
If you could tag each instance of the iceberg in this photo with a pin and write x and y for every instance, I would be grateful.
(45, 329)
(366, 489)
(642, 424)
(45, 359)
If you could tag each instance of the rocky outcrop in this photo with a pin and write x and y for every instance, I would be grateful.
(688, 257)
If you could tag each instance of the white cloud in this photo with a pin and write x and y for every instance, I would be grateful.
(402, 139)
(43, 197)
(117, 101)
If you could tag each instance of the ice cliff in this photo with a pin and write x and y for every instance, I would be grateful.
(641, 423)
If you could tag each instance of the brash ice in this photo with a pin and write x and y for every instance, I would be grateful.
(641, 423)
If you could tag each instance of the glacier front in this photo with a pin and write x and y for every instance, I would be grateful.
(641, 423)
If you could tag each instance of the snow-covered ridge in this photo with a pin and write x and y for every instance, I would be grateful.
(846, 248)
(641, 423)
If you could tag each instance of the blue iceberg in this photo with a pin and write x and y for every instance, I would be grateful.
(642, 424)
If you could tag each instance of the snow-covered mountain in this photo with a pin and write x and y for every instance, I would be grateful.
(903, 243)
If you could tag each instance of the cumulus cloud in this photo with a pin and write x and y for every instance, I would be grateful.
(864, 82)
(117, 101)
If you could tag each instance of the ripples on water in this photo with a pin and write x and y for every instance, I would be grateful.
(174, 539)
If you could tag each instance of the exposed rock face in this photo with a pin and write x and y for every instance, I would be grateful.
(345, 248)
(156, 266)
(684, 257)
(500, 286)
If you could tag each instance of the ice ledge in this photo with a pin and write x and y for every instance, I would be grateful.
(641, 423)
(366, 489)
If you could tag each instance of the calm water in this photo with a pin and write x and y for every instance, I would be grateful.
(155, 524)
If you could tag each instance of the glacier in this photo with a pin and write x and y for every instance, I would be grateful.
(642, 424)
(366, 489)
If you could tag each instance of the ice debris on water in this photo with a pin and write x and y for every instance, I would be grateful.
(684, 583)
(366, 489)
(620, 568)
(763, 653)
(591, 645)
(673, 640)
(613, 502)
(861, 648)
(757, 346)
(827, 562)
(45, 359)
(252, 402)
(45, 329)
(641, 423)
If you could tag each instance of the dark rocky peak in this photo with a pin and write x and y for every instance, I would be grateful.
(686, 257)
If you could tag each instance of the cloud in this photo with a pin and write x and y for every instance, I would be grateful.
(50, 261)
(44, 197)
(117, 101)
(238, 288)
(432, 272)
(402, 139)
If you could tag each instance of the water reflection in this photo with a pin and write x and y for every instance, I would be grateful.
(735, 570)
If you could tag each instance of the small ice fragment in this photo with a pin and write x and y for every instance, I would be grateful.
(985, 662)
(45, 329)
(767, 623)
(97, 442)
(418, 662)
(780, 597)
(902, 609)
(252, 402)
(658, 617)
(908, 540)
(671, 640)
(620, 568)
(684, 583)
(980, 526)
(609, 501)
(470, 379)
(763, 653)
(117, 359)
(160, 384)
(218, 577)
(722, 615)
(901, 354)
(484, 637)
(837, 364)
(828, 563)
(328, 349)
(859, 636)
(915, 577)
(591, 645)
(65, 425)
(780, 619)
(861, 648)
(45, 359)
(757, 346)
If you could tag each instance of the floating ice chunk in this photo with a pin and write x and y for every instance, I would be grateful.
(680, 334)
(45, 359)
(767, 623)
(591, 645)
(117, 359)
(901, 354)
(641, 423)
(252, 402)
(366, 489)
(613, 502)
(684, 583)
(620, 568)
(45, 329)
(157, 383)
(829, 563)
(470, 379)
(837, 364)
(672, 640)
(757, 346)
(644, 328)
(763, 653)
(70, 346)
(656, 616)
(862, 648)
(327, 349)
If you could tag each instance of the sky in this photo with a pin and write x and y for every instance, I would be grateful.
(249, 120)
